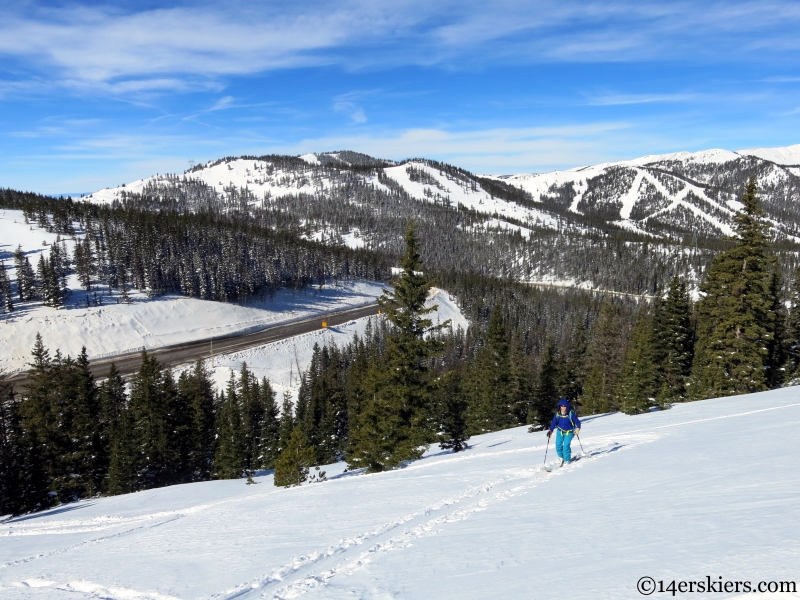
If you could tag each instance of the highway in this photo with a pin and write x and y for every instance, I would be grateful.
(179, 354)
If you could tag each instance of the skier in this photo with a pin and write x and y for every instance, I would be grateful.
(568, 424)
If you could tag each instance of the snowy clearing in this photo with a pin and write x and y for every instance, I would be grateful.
(705, 489)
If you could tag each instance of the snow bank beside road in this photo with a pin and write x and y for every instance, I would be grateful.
(152, 323)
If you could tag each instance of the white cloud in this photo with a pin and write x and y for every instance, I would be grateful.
(189, 48)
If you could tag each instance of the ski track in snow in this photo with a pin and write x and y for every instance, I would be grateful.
(88, 589)
(317, 568)
(314, 569)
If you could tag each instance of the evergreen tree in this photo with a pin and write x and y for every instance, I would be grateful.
(573, 367)
(521, 385)
(229, 457)
(5, 288)
(793, 329)
(115, 418)
(11, 467)
(79, 411)
(777, 349)
(269, 443)
(736, 317)
(451, 408)
(603, 358)
(637, 388)
(395, 423)
(291, 467)
(287, 422)
(59, 415)
(547, 393)
(37, 423)
(149, 425)
(489, 377)
(673, 342)
(26, 279)
(196, 387)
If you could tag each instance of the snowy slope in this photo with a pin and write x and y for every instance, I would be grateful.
(282, 362)
(789, 155)
(705, 489)
(258, 176)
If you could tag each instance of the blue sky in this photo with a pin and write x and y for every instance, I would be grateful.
(94, 94)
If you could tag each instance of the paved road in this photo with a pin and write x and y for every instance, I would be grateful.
(189, 352)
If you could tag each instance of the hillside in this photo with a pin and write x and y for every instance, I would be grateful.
(682, 494)
(626, 226)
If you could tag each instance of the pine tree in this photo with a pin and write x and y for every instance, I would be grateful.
(451, 408)
(573, 369)
(395, 423)
(5, 288)
(291, 467)
(287, 422)
(26, 279)
(116, 424)
(11, 454)
(489, 379)
(36, 424)
(736, 317)
(793, 329)
(673, 342)
(777, 349)
(196, 387)
(637, 387)
(229, 457)
(520, 384)
(547, 393)
(149, 425)
(269, 443)
(603, 359)
(80, 401)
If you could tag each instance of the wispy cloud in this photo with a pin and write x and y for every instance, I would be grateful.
(626, 99)
(782, 79)
(191, 48)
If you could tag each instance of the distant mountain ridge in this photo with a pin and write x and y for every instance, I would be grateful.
(626, 226)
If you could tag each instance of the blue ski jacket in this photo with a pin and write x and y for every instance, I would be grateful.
(568, 422)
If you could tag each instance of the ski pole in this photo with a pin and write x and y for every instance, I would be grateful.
(579, 441)
(545, 450)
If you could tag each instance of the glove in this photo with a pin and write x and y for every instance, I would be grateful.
(549, 433)
(577, 431)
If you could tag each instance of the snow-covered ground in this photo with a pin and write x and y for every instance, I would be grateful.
(282, 362)
(708, 489)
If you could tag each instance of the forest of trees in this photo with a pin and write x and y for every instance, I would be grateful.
(406, 383)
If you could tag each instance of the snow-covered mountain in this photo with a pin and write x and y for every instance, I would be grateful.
(690, 494)
(684, 191)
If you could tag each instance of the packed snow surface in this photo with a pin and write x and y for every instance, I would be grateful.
(708, 489)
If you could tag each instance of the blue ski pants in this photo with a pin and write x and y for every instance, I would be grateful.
(563, 440)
